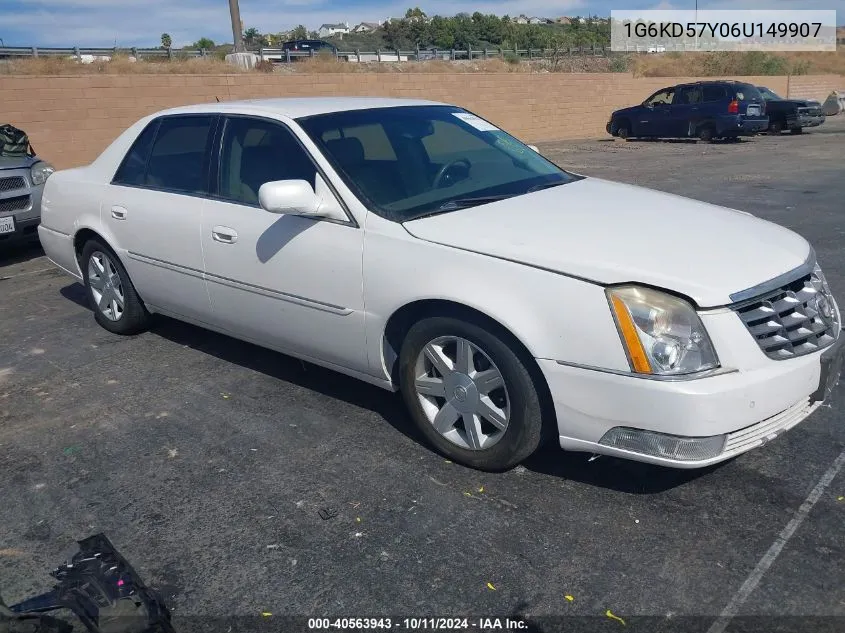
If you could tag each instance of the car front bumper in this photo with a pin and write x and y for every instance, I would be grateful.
(811, 120)
(747, 409)
(24, 205)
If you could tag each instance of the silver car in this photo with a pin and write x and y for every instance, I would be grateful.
(21, 184)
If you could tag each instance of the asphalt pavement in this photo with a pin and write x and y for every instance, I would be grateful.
(241, 482)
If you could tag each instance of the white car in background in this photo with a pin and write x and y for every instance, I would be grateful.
(418, 247)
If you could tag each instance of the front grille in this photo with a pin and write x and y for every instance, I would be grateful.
(12, 183)
(14, 204)
(791, 321)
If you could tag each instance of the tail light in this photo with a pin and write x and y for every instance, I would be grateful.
(733, 107)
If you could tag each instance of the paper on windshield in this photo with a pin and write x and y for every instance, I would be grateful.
(476, 122)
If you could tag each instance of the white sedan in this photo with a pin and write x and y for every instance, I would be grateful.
(418, 247)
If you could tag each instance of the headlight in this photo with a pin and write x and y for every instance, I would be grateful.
(40, 172)
(661, 333)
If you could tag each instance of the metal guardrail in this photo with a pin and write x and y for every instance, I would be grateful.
(281, 55)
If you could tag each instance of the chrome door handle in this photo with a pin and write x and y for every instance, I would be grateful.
(224, 235)
(118, 213)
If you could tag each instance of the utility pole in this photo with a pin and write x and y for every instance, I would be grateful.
(237, 33)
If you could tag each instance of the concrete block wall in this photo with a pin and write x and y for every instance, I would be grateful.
(72, 119)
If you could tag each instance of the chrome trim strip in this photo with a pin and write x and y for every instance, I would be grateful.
(240, 285)
(718, 371)
(191, 272)
(52, 230)
(282, 296)
(778, 282)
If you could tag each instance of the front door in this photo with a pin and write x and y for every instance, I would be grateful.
(653, 119)
(152, 213)
(288, 282)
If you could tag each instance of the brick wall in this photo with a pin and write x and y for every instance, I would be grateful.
(71, 119)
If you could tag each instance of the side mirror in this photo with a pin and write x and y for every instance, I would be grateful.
(535, 148)
(291, 197)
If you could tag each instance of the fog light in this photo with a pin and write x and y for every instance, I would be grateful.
(684, 449)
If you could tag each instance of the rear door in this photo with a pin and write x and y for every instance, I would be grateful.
(152, 213)
(687, 110)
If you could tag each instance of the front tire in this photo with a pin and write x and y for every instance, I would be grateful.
(623, 130)
(776, 127)
(707, 134)
(796, 130)
(116, 304)
(470, 394)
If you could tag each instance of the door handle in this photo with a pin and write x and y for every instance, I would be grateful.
(224, 235)
(118, 213)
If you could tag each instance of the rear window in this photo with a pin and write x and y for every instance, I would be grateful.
(747, 92)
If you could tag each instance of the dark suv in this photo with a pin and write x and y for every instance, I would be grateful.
(309, 47)
(706, 110)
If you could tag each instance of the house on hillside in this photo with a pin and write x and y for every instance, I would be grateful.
(330, 30)
(563, 20)
(522, 19)
(535, 20)
(366, 27)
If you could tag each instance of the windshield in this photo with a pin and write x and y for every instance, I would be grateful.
(768, 95)
(409, 161)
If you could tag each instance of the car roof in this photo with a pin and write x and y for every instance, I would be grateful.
(298, 107)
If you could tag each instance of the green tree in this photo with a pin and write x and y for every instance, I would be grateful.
(205, 43)
(251, 36)
(299, 33)
(166, 40)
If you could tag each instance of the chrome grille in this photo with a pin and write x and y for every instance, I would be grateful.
(12, 183)
(796, 319)
(14, 204)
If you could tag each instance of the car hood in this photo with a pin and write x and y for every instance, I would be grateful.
(611, 233)
(17, 162)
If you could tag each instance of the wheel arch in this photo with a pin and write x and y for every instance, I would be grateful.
(402, 319)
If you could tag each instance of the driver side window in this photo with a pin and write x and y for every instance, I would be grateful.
(664, 97)
(256, 151)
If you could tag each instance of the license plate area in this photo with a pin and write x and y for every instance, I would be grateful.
(752, 110)
(7, 224)
(831, 369)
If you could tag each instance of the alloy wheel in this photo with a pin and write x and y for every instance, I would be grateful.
(106, 287)
(462, 392)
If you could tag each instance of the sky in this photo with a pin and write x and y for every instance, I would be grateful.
(93, 23)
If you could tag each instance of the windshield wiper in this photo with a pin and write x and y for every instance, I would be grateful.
(545, 185)
(460, 203)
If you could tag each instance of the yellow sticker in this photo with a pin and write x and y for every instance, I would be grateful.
(609, 614)
(468, 494)
(568, 597)
(481, 489)
(840, 499)
(266, 614)
(358, 519)
(490, 586)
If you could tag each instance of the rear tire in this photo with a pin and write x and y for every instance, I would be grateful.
(707, 134)
(796, 130)
(484, 413)
(776, 127)
(113, 298)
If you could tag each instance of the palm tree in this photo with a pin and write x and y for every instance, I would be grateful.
(166, 40)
